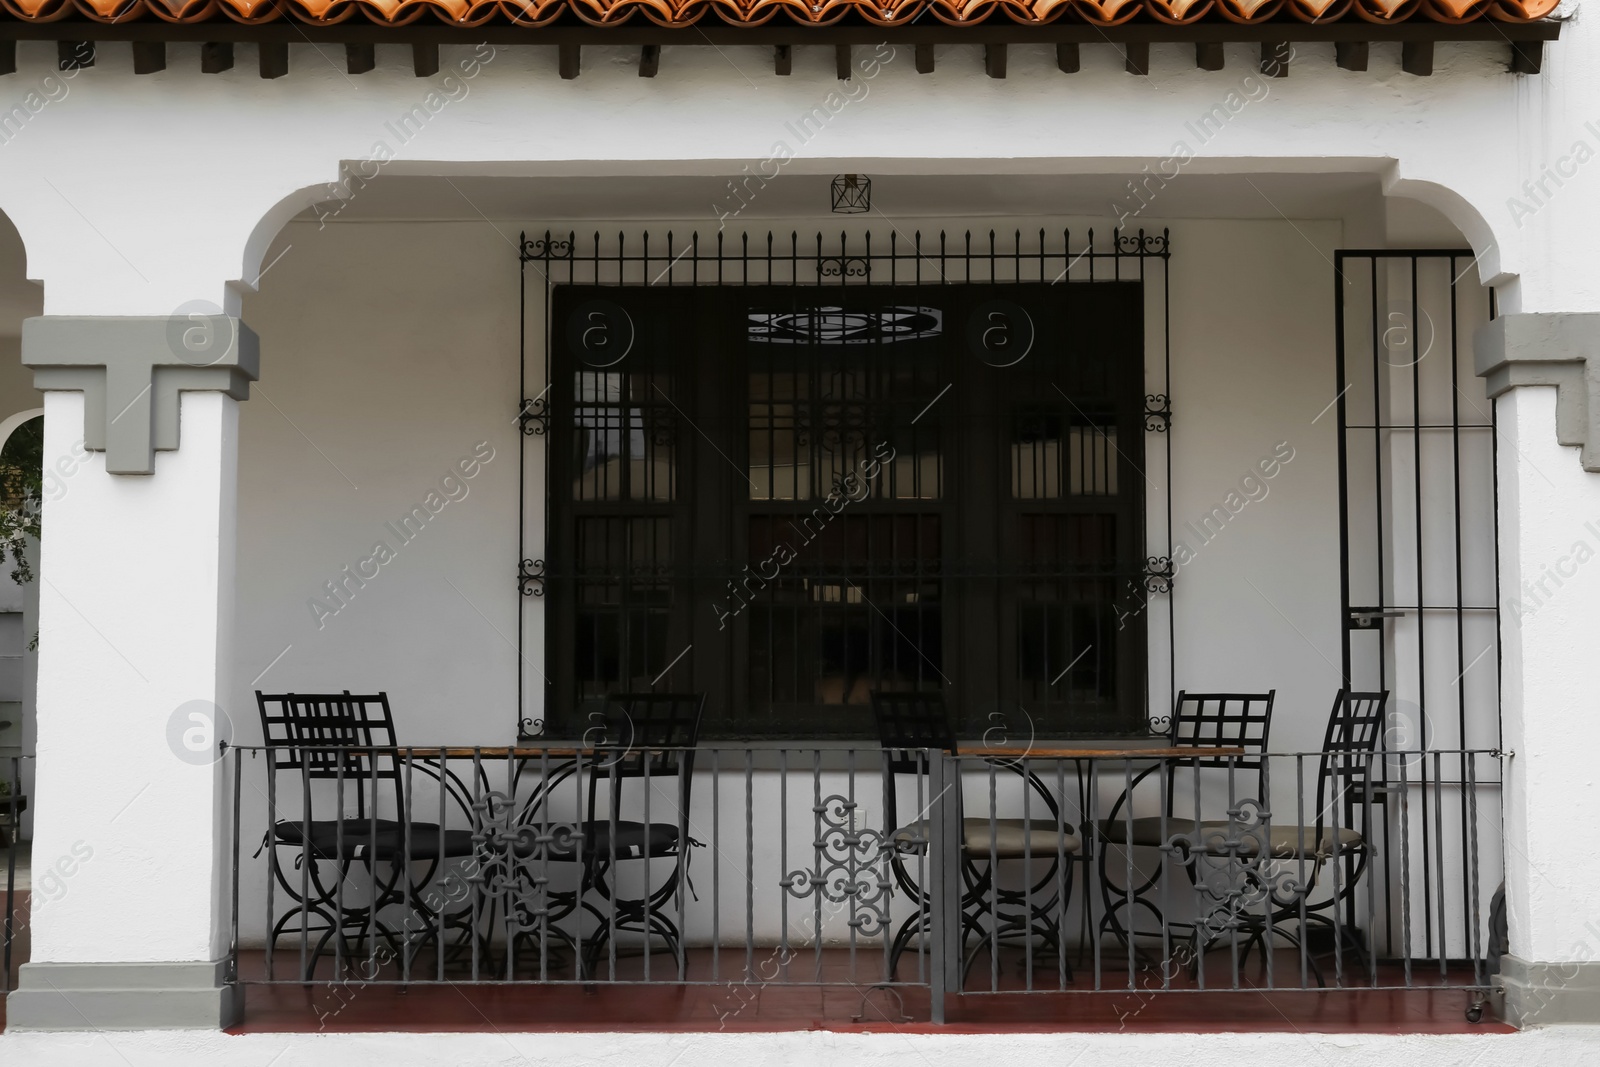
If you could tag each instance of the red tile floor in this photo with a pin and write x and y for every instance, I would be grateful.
(460, 1006)
(354, 1006)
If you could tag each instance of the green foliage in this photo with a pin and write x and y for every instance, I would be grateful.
(21, 494)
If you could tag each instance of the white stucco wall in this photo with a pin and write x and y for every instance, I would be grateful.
(126, 621)
(1557, 510)
(365, 403)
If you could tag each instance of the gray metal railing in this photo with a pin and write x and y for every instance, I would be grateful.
(998, 874)
(12, 805)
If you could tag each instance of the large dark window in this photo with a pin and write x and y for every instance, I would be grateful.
(788, 497)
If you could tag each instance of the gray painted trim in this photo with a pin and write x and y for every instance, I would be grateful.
(123, 996)
(131, 369)
(1550, 994)
(1550, 348)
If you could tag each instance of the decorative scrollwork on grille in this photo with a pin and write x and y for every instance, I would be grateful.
(1160, 725)
(1142, 244)
(534, 416)
(1234, 869)
(849, 485)
(663, 430)
(530, 577)
(1157, 412)
(1158, 574)
(843, 267)
(852, 868)
(509, 860)
(527, 727)
(839, 437)
(546, 247)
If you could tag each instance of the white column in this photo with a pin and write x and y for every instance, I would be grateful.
(135, 620)
(1550, 601)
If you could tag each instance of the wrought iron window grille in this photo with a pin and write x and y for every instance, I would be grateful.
(841, 270)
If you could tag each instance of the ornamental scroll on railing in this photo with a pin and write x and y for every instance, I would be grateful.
(851, 868)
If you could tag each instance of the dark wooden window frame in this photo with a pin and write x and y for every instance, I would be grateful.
(982, 573)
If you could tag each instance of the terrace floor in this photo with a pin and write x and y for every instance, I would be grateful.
(464, 1007)
(352, 1006)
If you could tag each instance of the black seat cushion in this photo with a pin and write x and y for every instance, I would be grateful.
(358, 841)
(632, 840)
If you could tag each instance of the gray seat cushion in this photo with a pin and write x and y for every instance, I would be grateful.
(1040, 839)
(1286, 842)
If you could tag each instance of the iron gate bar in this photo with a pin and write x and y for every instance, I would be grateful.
(1410, 261)
(13, 806)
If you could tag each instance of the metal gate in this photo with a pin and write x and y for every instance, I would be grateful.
(1419, 579)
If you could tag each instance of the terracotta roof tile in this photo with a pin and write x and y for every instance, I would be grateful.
(804, 12)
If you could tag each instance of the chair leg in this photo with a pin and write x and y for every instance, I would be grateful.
(915, 924)
(1299, 946)
(669, 933)
(1126, 934)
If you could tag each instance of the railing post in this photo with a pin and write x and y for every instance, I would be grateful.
(231, 974)
(13, 830)
(944, 880)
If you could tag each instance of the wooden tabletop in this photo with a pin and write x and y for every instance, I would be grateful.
(563, 751)
(1058, 752)
(567, 750)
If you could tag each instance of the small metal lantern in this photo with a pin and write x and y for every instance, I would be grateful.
(852, 194)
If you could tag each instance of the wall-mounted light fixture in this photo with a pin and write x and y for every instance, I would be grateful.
(852, 194)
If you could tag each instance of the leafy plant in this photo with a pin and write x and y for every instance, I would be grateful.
(21, 495)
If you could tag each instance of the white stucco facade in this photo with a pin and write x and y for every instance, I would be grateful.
(387, 315)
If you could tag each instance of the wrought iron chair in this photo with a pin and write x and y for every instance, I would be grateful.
(1201, 721)
(1256, 877)
(649, 737)
(911, 726)
(1346, 781)
(349, 740)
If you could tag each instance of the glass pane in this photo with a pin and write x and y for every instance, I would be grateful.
(624, 445)
(623, 566)
(1085, 541)
(835, 398)
(1051, 459)
(818, 642)
(826, 628)
(1066, 642)
(780, 437)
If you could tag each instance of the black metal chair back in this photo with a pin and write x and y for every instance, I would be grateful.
(1349, 748)
(1203, 721)
(648, 735)
(341, 736)
(1223, 720)
(909, 725)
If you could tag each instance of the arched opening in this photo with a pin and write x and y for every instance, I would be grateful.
(370, 402)
(21, 494)
(22, 491)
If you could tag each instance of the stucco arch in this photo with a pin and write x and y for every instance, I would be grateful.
(1493, 261)
(11, 423)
